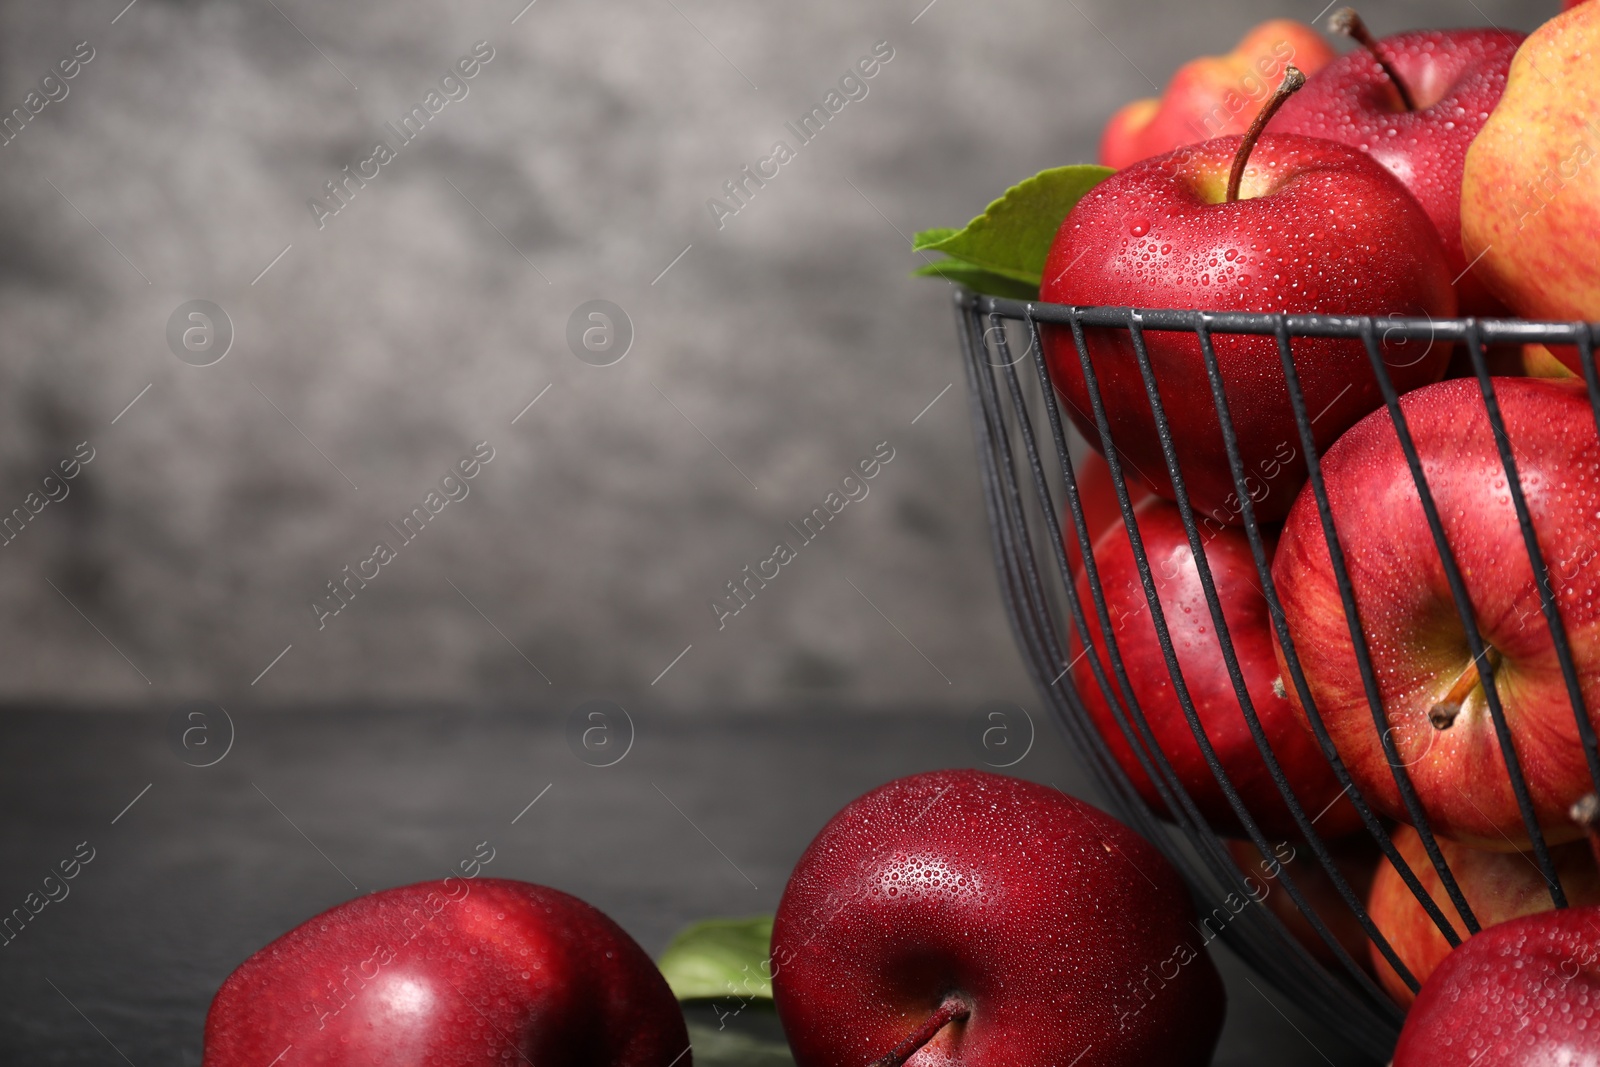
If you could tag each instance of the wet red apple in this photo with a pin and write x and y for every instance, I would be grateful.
(965, 918)
(456, 973)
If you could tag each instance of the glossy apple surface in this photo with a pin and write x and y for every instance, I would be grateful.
(1319, 227)
(456, 973)
(1213, 96)
(1418, 646)
(1525, 993)
(1199, 654)
(1530, 197)
(1456, 78)
(1064, 933)
(1499, 886)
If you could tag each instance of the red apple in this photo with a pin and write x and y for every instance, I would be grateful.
(1213, 96)
(455, 973)
(1414, 102)
(1199, 653)
(988, 922)
(1499, 886)
(1435, 708)
(1312, 226)
(1525, 993)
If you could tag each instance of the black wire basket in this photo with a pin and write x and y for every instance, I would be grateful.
(1031, 492)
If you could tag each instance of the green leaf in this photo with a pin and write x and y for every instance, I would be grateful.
(720, 958)
(1013, 235)
(929, 238)
(978, 279)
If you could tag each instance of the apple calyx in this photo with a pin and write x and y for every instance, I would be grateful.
(954, 1009)
(1293, 79)
(1346, 21)
(1443, 714)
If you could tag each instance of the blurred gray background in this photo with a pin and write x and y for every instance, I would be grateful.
(775, 353)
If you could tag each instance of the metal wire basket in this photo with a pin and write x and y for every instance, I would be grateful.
(1029, 485)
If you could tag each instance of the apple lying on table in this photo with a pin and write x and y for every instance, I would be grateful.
(1211, 692)
(1413, 102)
(1429, 685)
(455, 973)
(1213, 96)
(1525, 993)
(961, 917)
(1530, 193)
(1499, 886)
(1280, 224)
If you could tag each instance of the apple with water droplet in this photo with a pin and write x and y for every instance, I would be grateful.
(454, 973)
(973, 920)
(1274, 223)
(1414, 102)
(1430, 688)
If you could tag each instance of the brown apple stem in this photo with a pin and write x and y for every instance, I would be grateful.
(1293, 79)
(1346, 21)
(1443, 714)
(952, 1010)
(1586, 813)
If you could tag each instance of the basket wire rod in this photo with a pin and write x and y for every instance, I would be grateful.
(1260, 943)
(1463, 601)
(1493, 331)
(1269, 589)
(1207, 841)
(1358, 639)
(1328, 986)
(1586, 360)
(1011, 586)
(1161, 772)
(1236, 675)
(1541, 571)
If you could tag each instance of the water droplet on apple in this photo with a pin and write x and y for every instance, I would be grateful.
(1138, 225)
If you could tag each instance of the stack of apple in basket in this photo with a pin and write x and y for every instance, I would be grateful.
(1427, 176)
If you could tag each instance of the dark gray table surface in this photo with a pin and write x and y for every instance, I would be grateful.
(704, 816)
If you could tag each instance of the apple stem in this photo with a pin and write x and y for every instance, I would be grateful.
(1293, 79)
(1586, 813)
(1346, 21)
(952, 1010)
(1443, 714)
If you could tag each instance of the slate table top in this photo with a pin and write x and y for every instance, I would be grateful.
(195, 868)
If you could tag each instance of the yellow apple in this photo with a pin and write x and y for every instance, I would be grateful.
(1530, 196)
